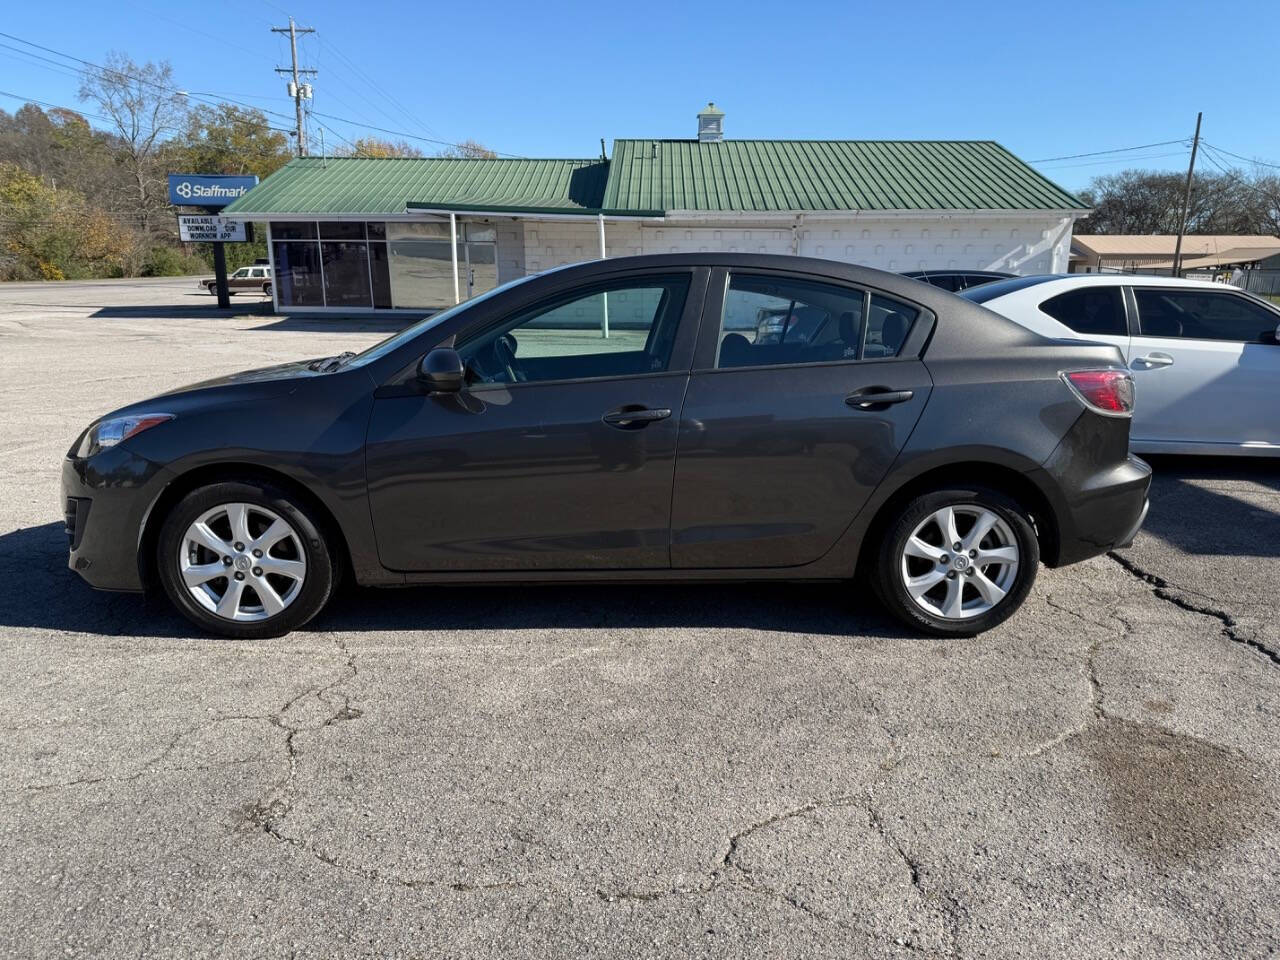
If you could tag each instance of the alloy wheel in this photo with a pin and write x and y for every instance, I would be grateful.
(242, 562)
(960, 562)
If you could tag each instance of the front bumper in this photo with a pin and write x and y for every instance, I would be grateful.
(105, 500)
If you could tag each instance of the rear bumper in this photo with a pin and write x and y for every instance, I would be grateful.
(1127, 539)
(1103, 513)
(1098, 490)
(105, 500)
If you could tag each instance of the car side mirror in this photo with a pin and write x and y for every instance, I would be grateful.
(442, 371)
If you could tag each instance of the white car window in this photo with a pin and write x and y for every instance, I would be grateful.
(242, 272)
(1203, 315)
(1090, 310)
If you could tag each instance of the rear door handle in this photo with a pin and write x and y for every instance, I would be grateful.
(873, 397)
(1155, 360)
(635, 416)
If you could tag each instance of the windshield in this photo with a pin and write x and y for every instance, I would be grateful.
(998, 288)
(396, 340)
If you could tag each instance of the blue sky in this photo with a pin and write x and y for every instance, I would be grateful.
(550, 79)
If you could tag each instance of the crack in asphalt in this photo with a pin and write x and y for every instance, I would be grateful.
(269, 812)
(149, 765)
(730, 873)
(1172, 593)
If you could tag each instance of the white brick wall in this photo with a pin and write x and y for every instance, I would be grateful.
(1022, 244)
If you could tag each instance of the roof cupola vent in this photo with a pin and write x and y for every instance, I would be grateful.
(710, 124)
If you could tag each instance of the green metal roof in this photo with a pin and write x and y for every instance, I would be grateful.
(358, 185)
(800, 175)
(654, 177)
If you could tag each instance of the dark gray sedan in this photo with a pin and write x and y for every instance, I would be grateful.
(628, 419)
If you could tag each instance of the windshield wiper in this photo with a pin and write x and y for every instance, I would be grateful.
(327, 364)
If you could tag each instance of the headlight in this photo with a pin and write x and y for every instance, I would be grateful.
(107, 433)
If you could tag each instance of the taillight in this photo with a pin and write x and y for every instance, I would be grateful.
(1108, 392)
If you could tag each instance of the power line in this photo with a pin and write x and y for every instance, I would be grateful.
(1099, 153)
(275, 113)
(1261, 163)
(1097, 163)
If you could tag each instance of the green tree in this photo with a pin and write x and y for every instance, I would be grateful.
(52, 234)
(229, 139)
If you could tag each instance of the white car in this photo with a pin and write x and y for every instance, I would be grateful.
(1204, 356)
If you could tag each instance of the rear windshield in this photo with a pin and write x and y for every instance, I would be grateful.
(998, 288)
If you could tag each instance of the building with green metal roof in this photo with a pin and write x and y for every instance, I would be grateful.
(416, 234)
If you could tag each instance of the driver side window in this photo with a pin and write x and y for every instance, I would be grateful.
(613, 330)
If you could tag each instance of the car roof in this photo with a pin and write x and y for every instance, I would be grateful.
(889, 282)
(956, 272)
(1054, 283)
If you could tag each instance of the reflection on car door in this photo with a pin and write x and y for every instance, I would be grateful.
(1206, 367)
(780, 443)
(560, 455)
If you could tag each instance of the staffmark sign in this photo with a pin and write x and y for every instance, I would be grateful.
(207, 190)
(193, 228)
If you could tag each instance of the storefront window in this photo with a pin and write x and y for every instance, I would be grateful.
(379, 273)
(297, 273)
(421, 273)
(346, 274)
(336, 263)
(341, 230)
(288, 230)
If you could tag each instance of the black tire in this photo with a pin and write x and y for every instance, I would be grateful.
(887, 574)
(212, 287)
(266, 289)
(317, 552)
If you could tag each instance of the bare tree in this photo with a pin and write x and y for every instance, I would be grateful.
(144, 110)
(470, 150)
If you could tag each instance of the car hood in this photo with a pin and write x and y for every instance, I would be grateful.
(246, 386)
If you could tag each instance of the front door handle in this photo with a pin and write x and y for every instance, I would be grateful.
(1154, 360)
(632, 417)
(872, 398)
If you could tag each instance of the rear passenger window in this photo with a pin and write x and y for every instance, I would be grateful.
(771, 320)
(1096, 310)
(887, 328)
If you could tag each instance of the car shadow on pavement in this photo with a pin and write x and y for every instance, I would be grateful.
(42, 593)
(795, 608)
(1192, 512)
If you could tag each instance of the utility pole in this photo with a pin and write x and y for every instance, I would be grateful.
(299, 91)
(1186, 201)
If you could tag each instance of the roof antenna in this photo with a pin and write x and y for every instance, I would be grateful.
(603, 155)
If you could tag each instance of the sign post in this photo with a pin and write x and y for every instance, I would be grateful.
(211, 192)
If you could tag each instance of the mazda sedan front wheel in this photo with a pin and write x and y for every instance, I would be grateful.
(244, 560)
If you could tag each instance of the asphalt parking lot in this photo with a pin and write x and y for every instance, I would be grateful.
(667, 771)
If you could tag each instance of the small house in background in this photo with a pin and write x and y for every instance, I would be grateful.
(418, 234)
(1153, 253)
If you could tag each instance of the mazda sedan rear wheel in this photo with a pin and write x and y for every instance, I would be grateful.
(244, 560)
(958, 562)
